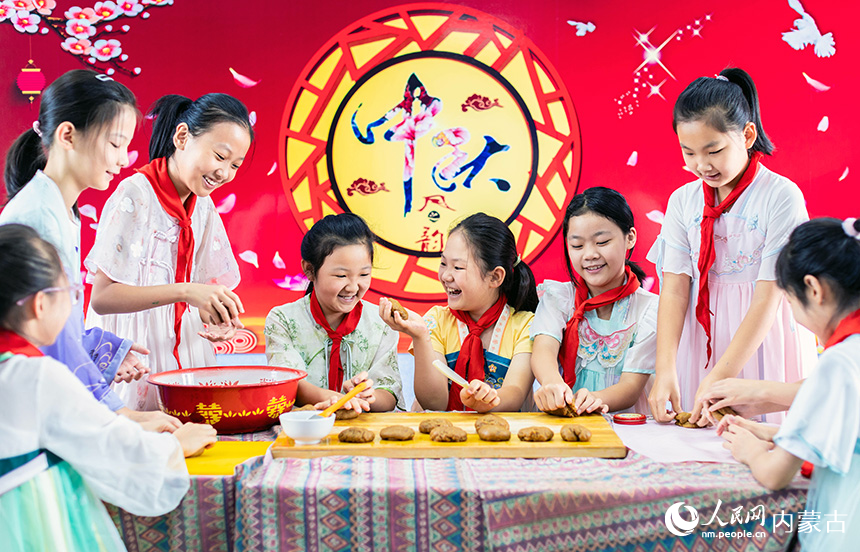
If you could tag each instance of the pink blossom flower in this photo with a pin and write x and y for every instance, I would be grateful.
(80, 28)
(45, 7)
(130, 7)
(26, 22)
(103, 50)
(158, 2)
(19, 5)
(6, 11)
(82, 14)
(107, 10)
(77, 47)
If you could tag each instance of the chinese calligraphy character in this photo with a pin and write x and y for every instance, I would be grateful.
(431, 242)
(783, 519)
(211, 413)
(841, 524)
(716, 510)
(277, 406)
(808, 521)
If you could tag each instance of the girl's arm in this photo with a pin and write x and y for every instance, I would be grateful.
(749, 336)
(625, 393)
(672, 309)
(774, 469)
(553, 393)
(750, 397)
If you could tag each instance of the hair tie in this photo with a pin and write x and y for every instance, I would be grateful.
(103, 78)
(37, 129)
(850, 230)
(517, 261)
(721, 77)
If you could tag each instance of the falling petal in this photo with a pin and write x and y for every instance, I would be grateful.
(250, 257)
(94, 226)
(686, 168)
(226, 205)
(821, 87)
(648, 283)
(252, 118)
(844, 175)
(633, 159)
(824, 124)
(242, 80)
(132, 157)
(278, 261)
(655, 216)
(293, 283)
(273, 169)
(88, 211)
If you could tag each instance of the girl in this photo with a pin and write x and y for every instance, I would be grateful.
(331, 332)
(80, 140)
(728, 226)
(483, 332)
(601, 325)
(161, 267)
(819, 270)
(61, 452)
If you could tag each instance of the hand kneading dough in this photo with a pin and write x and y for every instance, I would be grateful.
(397, 307)
(448, 434)
(432, 423)
(575, 432)
(567, 411)
(397, 433)
(493, 432)
(683, 419)
(356, 435)
(724, 411)
(491, 419)
(535, 434)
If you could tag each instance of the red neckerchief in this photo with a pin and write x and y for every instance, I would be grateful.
(582, 304)
(165, 191)
(10, 342)
(470, 360)
(346, 327)
(707, 255)
(847, 327)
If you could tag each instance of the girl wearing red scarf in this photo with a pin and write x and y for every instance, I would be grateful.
(721, 314)
(483, 332)
(595, 336)
(819, 270)
(162, 267)
(331, 332)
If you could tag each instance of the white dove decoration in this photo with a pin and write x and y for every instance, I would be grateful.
(806, 32)
(582, 28)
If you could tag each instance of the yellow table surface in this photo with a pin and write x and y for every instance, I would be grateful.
(223, 457)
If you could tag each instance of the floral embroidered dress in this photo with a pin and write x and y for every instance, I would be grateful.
(627, 342)
(136, 245)
(747, 241)
(295, 340)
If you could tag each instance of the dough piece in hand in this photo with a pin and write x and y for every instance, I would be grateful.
(356, 435)
(397, 433)
(448, 434)
(535, 434)
(432, 423)
(305, 408)
(575, 432)
(724, 411)
(345, 414)
(566, 411)
(683, 419)
(494, 432)
(491, 419)
(397, 307)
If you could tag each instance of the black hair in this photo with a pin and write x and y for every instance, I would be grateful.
(200, 115)
(334, 231)
(823, 249)
(493, 244)
(27, 264)
(608, 204)
(723, 105)
(82, 97)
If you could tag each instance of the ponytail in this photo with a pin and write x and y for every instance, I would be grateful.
(521, 292)
(167, 113)
(23, 160)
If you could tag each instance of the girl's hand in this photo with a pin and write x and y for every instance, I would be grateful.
(665, 389)
(216, 302)
(194, 438)
(218, 332)
(584, 402)
(697, 416)
(367, 395)
(744, 396)
(156, 422)
(132, 368)
(355, 403)
(479, 396)
(552, 396)
(414, 326)
(743, 443)
(761, 431)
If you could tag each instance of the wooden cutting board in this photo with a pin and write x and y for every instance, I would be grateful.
(604, 442)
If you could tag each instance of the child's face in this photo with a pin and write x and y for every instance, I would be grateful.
(205, 163)
(467, 287)
(104, 154)
(718, 158)
(598, 249)
(343, 278)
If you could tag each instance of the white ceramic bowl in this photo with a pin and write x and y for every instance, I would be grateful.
(306, 427)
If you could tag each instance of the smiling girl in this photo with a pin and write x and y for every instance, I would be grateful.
(331, 333)
(601, 326)
(162, 267)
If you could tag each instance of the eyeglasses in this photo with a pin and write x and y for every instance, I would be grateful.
(76, 293)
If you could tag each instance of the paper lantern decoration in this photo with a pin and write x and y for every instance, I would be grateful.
(31, 81)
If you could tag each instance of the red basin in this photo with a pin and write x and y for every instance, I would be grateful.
(233, 399)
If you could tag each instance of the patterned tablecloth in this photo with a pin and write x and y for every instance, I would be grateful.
(563, 504)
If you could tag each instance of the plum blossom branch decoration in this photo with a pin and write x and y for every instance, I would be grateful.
(88, 33)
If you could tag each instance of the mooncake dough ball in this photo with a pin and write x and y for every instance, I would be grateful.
(491, 419)
(567, 411)
(304, 408)
(535, 434)
(397, 307)
(493, 432)
(683, 419)
(345, 414)
(448, 434)
(397, 433)
(430, 424)
(724, 411)
(575, 432)
(356, 435)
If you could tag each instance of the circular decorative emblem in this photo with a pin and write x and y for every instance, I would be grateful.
(420, 115)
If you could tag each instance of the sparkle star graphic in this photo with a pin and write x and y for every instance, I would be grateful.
(652, 54)
(655, 89)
